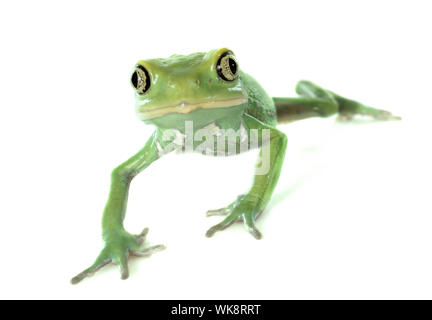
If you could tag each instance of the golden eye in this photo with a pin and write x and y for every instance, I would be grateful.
(140, 79)
(227, 66)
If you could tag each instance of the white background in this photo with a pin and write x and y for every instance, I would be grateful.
(350, 218)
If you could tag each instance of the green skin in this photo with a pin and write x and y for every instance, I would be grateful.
(190, 88)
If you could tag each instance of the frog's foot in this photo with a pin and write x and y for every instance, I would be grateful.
(223, 211)
(345, 116)
(118, 246)
(218, 212)
(240, 210)
(386, 115)
(376, 114)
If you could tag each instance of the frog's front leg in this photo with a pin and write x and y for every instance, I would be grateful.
(119, 243)
(247, 207)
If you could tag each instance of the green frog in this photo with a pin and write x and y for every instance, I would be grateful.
(204, 102)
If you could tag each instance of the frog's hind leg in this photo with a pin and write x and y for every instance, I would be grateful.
(347, 108)
(315, 101)
(294, 109)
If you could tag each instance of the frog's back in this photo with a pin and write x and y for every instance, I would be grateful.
(261, 105)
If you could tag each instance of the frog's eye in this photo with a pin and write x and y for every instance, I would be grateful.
(227, 66)
(140, 79)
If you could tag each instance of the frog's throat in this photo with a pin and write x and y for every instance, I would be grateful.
(187, 107)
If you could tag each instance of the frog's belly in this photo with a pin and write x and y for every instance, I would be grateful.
(212, 140)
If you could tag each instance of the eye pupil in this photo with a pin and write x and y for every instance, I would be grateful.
(232, 65)
(134, 80)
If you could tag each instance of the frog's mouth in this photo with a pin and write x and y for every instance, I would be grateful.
(188, 107)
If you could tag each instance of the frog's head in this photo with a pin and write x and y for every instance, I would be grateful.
(176, 87)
